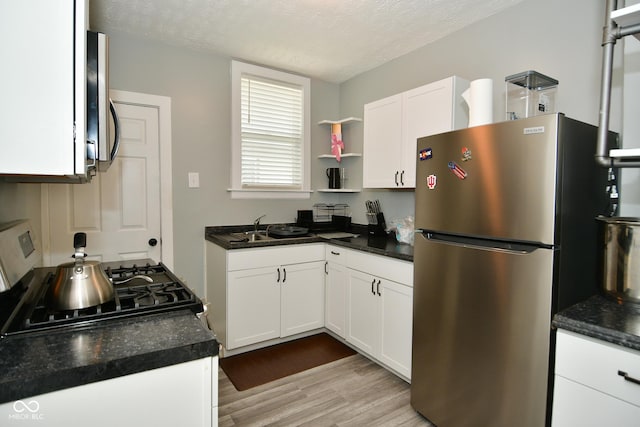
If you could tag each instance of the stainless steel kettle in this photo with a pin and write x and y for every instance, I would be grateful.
(79, 284)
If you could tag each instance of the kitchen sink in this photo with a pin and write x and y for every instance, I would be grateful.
(251, 236)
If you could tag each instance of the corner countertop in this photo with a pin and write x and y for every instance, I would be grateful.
(604, 319)
(41, 362)
(34, 364)
(379, 245)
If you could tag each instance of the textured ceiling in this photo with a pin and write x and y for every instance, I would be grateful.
(332, 40)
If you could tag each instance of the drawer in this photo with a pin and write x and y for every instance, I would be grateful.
(381, 266)
(336, 254)
(243, 259)
(596, 364)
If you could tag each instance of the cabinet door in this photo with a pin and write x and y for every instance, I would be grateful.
(38, 86)
(336, 297)
(427, 110)
(362, 314)
(302, 297)
(576, 405)
(382, 158)
(253, 306)
(396, 316)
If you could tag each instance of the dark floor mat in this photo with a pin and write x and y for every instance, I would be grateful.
(261, 366)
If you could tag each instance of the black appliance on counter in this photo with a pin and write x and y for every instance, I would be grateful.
(142, 287)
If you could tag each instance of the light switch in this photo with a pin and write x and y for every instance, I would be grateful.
(194, 180)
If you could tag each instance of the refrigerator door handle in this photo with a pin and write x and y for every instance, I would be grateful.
(482, 244)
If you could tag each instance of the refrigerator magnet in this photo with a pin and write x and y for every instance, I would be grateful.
(431, 181)
(466, 154)
(426, 154)
(457, 170)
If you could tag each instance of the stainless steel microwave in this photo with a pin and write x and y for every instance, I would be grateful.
(102, 147)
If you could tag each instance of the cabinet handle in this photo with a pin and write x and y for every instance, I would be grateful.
(402, 178)
(628, 378)
(378, 288)
(278, 275)
(284, 279)
(373, 282)
(396, 178)
(335, 253)
(325, 267)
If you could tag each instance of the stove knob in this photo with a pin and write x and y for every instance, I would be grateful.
(153, 242)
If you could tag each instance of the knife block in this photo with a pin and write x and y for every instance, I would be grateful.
(379, 228)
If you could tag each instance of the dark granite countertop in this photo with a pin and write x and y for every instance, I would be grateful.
(379, 245)
(41, 362)
(34, 364)
(604, 319)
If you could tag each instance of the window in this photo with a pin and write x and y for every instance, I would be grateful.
(270, 133)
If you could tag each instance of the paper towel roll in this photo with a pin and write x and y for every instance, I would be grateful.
(479, 98)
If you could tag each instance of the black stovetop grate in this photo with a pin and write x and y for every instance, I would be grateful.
(166, 294)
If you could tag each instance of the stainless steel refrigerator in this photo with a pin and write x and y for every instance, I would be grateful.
(506, 237)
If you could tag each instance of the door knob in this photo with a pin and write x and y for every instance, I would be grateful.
(153, 242)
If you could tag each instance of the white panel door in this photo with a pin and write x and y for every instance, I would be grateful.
(363, 320)
(382, 162)
(120, 209)
(396, 314)
(302, 298)
(253, 306)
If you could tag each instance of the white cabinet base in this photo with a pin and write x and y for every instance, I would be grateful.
(185, 394)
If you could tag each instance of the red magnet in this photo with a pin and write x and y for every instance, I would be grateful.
(431, 182)
(457, 170)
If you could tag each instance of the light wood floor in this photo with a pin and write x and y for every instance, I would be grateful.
(349, 392)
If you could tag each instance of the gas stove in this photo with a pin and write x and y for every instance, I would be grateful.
(136, 297)
(142, 287)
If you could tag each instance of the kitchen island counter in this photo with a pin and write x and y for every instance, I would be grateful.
(603, 319)
(379, 245)
(34, 364)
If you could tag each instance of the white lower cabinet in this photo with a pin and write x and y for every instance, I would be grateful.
(265, 293)
(335, 305)
(380, 313)
(590, 386)
(190, 390)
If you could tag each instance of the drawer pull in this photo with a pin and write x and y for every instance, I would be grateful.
(335, 253)
(628, 378)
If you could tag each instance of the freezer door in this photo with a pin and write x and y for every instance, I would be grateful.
(495, 180)
(481, 334)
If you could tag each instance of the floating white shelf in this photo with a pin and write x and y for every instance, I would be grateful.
(625, 154)
(343, 121)
(338, 190)
(331, 156)
(627, 16)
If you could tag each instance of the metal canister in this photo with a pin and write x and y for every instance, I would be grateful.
(620, 257)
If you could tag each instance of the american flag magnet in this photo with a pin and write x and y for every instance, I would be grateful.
(431, 182)
(457, 170)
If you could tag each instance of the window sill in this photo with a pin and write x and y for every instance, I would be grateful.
(269, 194)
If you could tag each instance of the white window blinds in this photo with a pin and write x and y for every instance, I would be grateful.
(272, 134)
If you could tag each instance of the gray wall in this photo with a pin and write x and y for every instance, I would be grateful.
(558, 38)
(199, 86)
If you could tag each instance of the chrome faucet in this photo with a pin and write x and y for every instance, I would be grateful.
(256, 222)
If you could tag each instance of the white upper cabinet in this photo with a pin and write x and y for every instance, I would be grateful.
(392, 126)
(43, 84)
